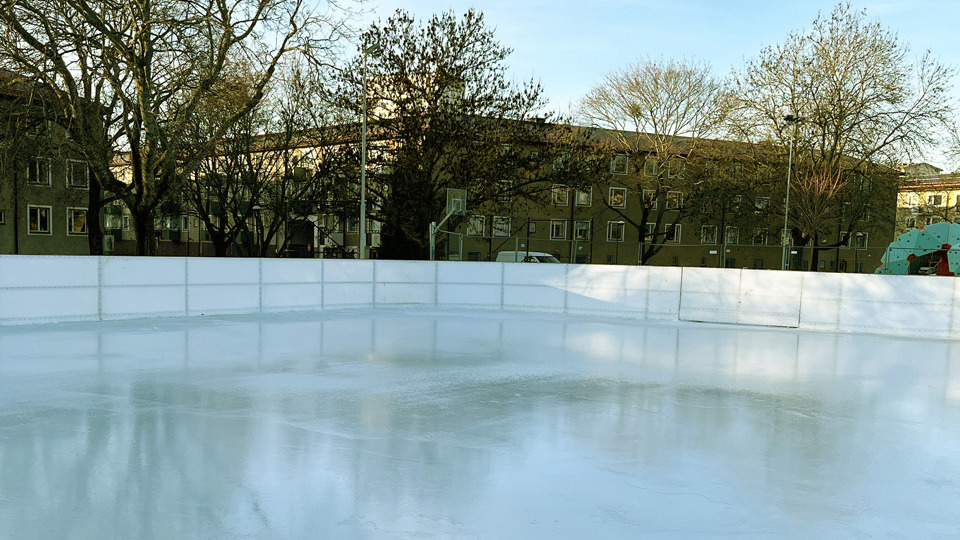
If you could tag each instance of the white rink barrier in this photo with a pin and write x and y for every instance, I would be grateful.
(39, 289)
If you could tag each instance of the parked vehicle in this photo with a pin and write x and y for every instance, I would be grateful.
(526, 256)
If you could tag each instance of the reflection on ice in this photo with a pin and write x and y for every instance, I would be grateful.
(373, 424)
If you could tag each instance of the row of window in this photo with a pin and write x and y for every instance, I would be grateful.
(39, 172)
(616, 197)
(40, 220)
(936, 199)
(502, 227)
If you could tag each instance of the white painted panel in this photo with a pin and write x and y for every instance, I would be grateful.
(143, 301)
(469, 272)
(347, 271)
(405, 271)
(210, 299)
(143, 271)
(532, 297)
(405, 293)
(48, 305)
(40, 271)
(347, 294)
(292, 270)
(553, 275)
(661, 278)
(222, 270)
(454, 294)
(770, 298)
(900, 305)
(604, 288)
(820, 301)
(709, 295)
(663, 305)
(601, 300)
(281, 296)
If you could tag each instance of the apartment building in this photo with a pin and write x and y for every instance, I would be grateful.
(926, 196)
(43, 184)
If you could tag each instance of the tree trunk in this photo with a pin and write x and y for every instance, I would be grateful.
(94, 230)
(143, 227)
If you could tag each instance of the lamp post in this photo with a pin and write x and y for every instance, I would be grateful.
(790, 119)
(372, 49)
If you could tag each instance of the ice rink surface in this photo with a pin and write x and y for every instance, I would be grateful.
(431, 424)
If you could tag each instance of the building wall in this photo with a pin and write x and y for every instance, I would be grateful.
(45, 212)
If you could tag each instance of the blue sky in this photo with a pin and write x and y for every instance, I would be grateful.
(570, 45)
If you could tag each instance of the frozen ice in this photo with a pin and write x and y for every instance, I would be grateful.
(369, 424)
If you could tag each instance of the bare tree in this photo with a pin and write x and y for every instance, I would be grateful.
(862, 102)
(130, 76)
(442, 114)
(654, 115)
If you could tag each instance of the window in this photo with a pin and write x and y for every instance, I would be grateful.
(353, 224)
(76, 221)
(476, 225)
(333, 223)
(584, 198)
(581, 230)
(760, 237)
(911, 223)
(860, 240)
(618, 197)
(649, 232)
(39, 217)
(185, 224)
(38, 171)
(502, 226)
(559, 194)
(930, 220)
(560, 162)
(650, 166)
(618, 165)
(758, 264)
(615, 231)
(126, 223)
(785, 238)
(762, 203)
(3, 217)
(674, 200)
(558, 229)
(675, 168)
(731, 235)
(844, 239)
(708, 234)
(650, 199)
(506, 189)
(112, 221)
(671, 233)
(77, 174)
(935, 200)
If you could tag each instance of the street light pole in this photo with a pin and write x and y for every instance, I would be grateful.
(372, 49)
(790, 119)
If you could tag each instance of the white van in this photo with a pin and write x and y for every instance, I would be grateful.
(526, 256)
